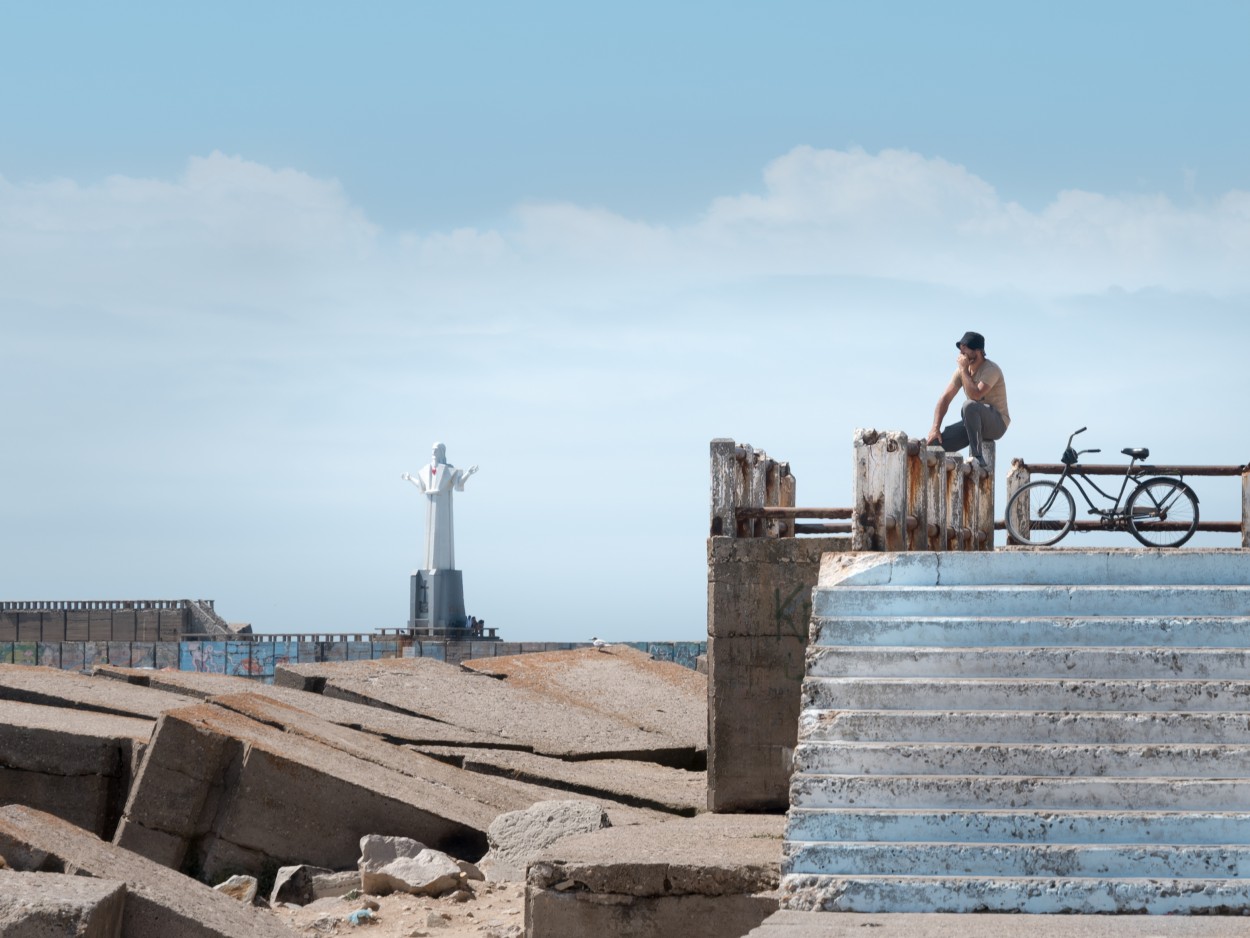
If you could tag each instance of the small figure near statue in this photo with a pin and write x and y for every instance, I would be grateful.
(984, 414)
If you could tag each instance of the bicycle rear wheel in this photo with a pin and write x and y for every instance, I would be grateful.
(1163, 512)
(1040, 514)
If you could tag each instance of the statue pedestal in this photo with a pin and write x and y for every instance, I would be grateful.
(437, 604)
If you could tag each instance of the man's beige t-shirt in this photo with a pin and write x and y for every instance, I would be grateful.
(995, 387)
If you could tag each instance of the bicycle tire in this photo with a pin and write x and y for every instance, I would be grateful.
(1040, 514)
(1163, 501)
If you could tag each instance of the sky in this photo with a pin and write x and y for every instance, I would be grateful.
(255, 259)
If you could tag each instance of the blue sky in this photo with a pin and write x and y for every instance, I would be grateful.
(255, 259)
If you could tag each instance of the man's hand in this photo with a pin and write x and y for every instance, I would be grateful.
(934, 437)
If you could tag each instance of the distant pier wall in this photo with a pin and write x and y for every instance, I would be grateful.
(257, 658)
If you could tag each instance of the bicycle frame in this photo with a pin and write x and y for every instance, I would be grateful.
(1131, 473)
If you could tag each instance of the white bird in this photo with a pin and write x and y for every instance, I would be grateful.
(599, 643)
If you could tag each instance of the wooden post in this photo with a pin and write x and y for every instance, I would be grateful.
(1017, 479)
(917, 536)
(952, 470)
(1245, 507)
(724, 520)
(983, 530)
(786, 498)
(867, 522)
(894, 490)
(935, 497)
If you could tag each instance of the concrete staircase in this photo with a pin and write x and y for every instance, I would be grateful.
(1025, 731)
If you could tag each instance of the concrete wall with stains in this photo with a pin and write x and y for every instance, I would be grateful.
(759, 607)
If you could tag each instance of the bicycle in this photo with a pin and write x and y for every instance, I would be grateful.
(1160, 512)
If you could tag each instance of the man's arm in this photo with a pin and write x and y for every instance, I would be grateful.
(939, 412)
(973, 390)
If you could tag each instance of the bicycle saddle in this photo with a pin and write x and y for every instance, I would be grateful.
(1141, 453)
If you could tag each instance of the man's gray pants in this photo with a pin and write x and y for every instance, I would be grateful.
(980, 422)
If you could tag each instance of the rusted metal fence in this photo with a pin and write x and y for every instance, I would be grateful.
(1021, 473)
(908, 496)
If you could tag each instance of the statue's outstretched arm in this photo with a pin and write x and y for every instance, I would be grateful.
(464, 477)
(415, 480)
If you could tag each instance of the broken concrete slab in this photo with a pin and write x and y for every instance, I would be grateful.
(45, 905)
(54, 688)
(159, 902)
(616, 681)
(221, 792)
(77, 765)
(389, 724)
(464, 698)
(246, 783)
(701, 877)
(628, 781)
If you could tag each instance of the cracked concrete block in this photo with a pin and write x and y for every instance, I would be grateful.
(246, 783)
(703, 877)
(159, 902)
(75, 765)
(48, 905)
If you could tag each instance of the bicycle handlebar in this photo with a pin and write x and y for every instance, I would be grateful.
(1073, 436)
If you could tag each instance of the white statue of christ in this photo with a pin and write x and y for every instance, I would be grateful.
(437, 482)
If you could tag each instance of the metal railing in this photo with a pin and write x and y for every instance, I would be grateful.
(1022, 472)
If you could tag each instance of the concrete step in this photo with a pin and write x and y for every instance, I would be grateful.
(1205, 861)
(971, 726)
(879, 894)
(1005, 601)
(1022, 566)
(1066, 662)
(789, 924)
(1056, 759)
(832, 693)
(947, 631)
(807, 825)
(1039, 793)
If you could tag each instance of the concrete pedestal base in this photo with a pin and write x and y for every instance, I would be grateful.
(437, 603)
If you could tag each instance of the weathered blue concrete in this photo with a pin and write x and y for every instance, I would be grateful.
(258, 659)
(1025, 731)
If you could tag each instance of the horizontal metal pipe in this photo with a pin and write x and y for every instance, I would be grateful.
(822, 529)
(1219, 527)
(1054, 469)
(785, 513)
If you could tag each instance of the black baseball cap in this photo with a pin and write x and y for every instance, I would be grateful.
(974, 340)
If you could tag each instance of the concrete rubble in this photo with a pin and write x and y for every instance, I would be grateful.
(401, 864)
(206, 777)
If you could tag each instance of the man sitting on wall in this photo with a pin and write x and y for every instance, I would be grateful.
(984, 413)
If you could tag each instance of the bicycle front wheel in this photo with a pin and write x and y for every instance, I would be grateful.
(1040, 514)
(1163, 512)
